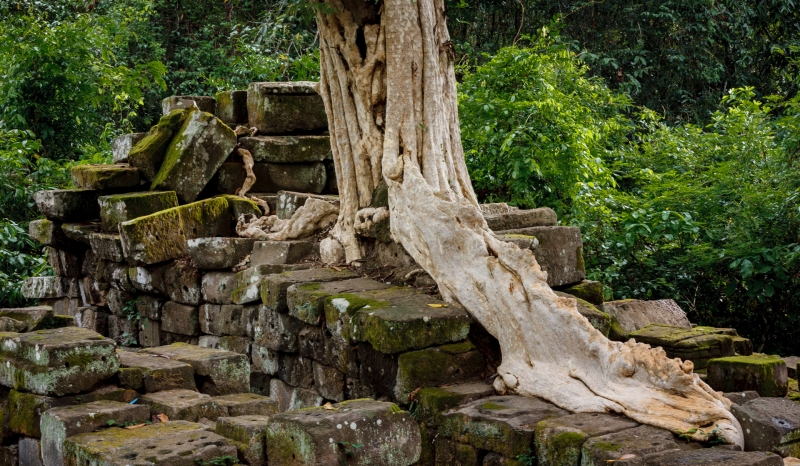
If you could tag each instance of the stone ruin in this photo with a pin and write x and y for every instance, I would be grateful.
(164, 338)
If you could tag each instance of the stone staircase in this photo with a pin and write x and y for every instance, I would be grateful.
(165, 339)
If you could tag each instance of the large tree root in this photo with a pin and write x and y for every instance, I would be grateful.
(311, 218)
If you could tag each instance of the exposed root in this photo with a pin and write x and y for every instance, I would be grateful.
(311, 218)
(367, 218)
(250, 179)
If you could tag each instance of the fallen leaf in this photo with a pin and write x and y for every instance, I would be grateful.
(437, 306)
(338, 269)
(160, 418)
(328, 406)
(135, 426)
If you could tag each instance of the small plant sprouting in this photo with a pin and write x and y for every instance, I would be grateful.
(528, 459)
(349, 450)
(226, 460)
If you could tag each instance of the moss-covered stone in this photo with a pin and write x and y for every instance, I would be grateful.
(248, 282)
(599, 319)
(239, 206)
(288, 149)
(639, 441)
(219, 253)
(177, 102)
(436, 366)
(107, 246)
(119, 208)
(105, 177)
(433, 401)
(194, 155)
(587, 290)
(699, 344)
(274, 287)
(148, 373)
(765, 374)
(249, 434)
(274, 108)
(559, 252)
(68, 205)
(50, 233)
(232, 107)
(247, 404)
(559, 440)
(121, 146)
(148, 154)
(224, 372)
(183, 405)
(449, 452)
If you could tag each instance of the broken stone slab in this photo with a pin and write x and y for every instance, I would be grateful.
(174, 443)
(273, 177)
(56, 362)
(217, 287)
(248, 282)
(433, 401)
(792, 362)
(633, 314)
(630, 443)
(387, 435)
(92, 318)
(232, 107)
(559, 440)
(183, 405)
(107, 246)
(219, 253)
(699, 344)
(147, 373)
(288, 149)
(516, 219)
(502, 424)
(221, 372)
(711, 457)
(559, 253)
(247, 404)
(195, 154)
(765, 374)
(68, 205)
(306, 301)
(50, 233)
(187, 102)
(282, 252)
(118, 208)
(105, 177)
(180, 318)
(770, 424)
(62, 307)
(274, 287)
(285, 108)
(249, 434)
(121, 146)
(742, 397)
(148, 154)
(276, 331)
(59, 423)
(586, 290)
(30, 319)
(288, 202)
(599, 319)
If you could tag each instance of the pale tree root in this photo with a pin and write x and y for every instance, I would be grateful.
(250, 179)
(549, 350)
(311, 218)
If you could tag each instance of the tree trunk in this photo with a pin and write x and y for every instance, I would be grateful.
(390, 95)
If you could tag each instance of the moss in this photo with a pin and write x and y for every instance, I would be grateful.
(493, 406)
(588, 290)
(755, 372)
(310, 286)
(238, 206)
(607, 446)
(458, 348)
(579, 263)
(148, 154)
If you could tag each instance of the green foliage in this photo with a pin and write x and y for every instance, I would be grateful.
(226, 460)
(528, 459)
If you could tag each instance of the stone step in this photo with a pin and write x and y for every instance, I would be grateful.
(182, 102)
(764, 374)
(232, 107)
(274, 287)
(79, 232)
(56, 362)
(107, 246)
(713, 457)
(248, 433)
(792, 363)
(306, 301)
(288, 202)
(219, 372)
(30, 319)
(218, 253)
(286, 108)
(496, 208)
(119, 208)
(105, 177)
(770, 424)
(148, 374)
(516, 219)
(629, 444)
(183, 405)
(247, 283)
(283, 252)
(50, 233)
(699, 344)
(559, 252)
(68, 205)
(559, 440)
(272, 177)
(433, 401)
(288, 149)
(372, 432)
(121, 146)
(178, 443)
(247, 404)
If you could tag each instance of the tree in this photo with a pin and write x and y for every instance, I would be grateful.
(389, 90)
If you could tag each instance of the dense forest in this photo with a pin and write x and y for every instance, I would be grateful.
(668, 130)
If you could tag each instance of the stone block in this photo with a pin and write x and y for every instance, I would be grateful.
(288, 202)
(496, 459)
(187, 102)
(62, 307)
(599, 319)
(169, 338)
(329, 382)
(307, 301)
(247, 404)
(586, 290)
(343, 355)
(148, 279)
(559, 253)
(94, 292)
(69, 205)
(118, 301)
(174, 443)
(559, 440)
(79, 232)
(495, 208)
(232, 107)
(792, 362)
(517, 219)
(296, 371)
(65, 263)
(235, 344)
(183, 405)
(450, 453)
(217, 287)
(219, 253)
(30, 452)
(180, 318)
(248, 281)
(182, 282)
(502, 424)
(249, 434)
(259, 382)
(433, 401)
(149, 333)
(770, 424)
(699, 344)
(387, 435)
(742, 397)
(276, 331)
(712, 457)
(59, 423)
(311, 342)
(293, 398)
(285, 108)
(288, 149)
(105, 177)
(221, 372)
(195, 154)
(273, 177)
(50, 288)
(8, 324)
(265, 359)
(148, 154)
(107, 246)
(56, 362)
(118, 208)
(92, 318)
(29, 319)
(148, 374)
(121, 146)
(630, 443)
(274, 287)
(149, 307)
(282, 252)
(766, 375)
(633, 314)
(9, 455)
(50, 233)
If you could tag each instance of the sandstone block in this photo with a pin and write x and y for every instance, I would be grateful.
(148, 154)
(559, 253)
(586, 290)
(433, 401)
(183, 283)
(121, 146)
(186, 102)
(639, 441)
(276, 331)
(306, 301)
(770, 424)
(180, 318)
(50, 287)
(792, 362)
(148, 279)
(699, 344)
(59, 423)
(388, 435)
(767, 375)
(496, 208)
(282, 252)
(174, 443)
(285, 108)
(259, 382)
(219, 253)
(247, 404)
(92, 318)
(217, 287)
(517, 219)
(274, 287)
(329, 382)
(742, 397)
(105, 177)
(432, 367)
(713, 457)
(248, 282)
(449, 452)
(311, 342)
(30, 452)
(633, 314)
(50, 233)
(235, 344)
(288, 149)
(296, 371)
(150, 333)
(107, 246)
(273, 177)
(183, 405)
(288, 202)
(293, 398)
(70, 205)
(119, 208)
(79, 232)
(221, 372)
(265, 359)
(29, 319)
(232, 107)
(65, 263)
(496, 459)
(559, 440)
(147, 373)
(249, 434)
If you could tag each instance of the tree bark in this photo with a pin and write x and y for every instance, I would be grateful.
(389, 90)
